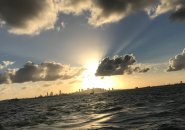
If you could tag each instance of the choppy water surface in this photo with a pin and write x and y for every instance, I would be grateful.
(139, 109)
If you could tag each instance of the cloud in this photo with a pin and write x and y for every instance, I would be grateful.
(176, 7)
(4, 78)
(177, 63)
(75, 7)
(109, 11)
(119, 65)
(136, 69)
(28, 16)
(5, 64)
(179, 15)
(61, 26)
(46, 71)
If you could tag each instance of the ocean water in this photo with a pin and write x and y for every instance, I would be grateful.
(161, 108)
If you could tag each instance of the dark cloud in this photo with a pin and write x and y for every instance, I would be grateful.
(144, 70)
(47, 71)
(121, 6)
(27, 16)
(179, 15)
(30, 17)
(177, 63)
(118, 66)
(178, 10)
(108, 11)
(136, 69)
(17, 12)
(175, 7)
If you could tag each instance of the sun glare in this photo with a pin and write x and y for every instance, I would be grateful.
(92, 81)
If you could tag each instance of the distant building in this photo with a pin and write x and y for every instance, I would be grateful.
(51, 94)
(40, 96)
(60, 92)
(93, 90)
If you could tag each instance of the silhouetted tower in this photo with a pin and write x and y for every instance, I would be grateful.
(51, 94)
(47, 94)
(60, 92)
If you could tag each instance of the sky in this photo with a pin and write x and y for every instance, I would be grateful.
(52, 45)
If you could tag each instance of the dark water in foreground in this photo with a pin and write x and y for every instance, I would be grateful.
(139, 109)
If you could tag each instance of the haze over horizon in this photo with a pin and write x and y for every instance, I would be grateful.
(52, 45)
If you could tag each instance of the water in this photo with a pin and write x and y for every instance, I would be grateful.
(161, 108)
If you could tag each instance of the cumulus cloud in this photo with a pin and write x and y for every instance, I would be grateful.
(179, 15)
(119, 65)
(177, 63)
(30, 17)
(46, 71)
(75, 7)
(136, 69)
(108, 11)
(5, 64)
(176, 7)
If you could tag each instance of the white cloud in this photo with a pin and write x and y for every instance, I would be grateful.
(177, 63)
(5, 64)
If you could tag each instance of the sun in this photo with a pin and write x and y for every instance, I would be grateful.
(92, 81)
